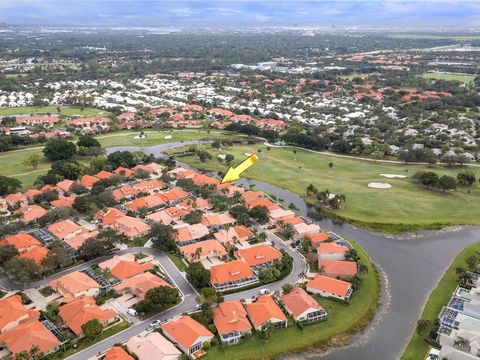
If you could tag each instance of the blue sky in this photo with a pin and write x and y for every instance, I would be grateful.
(246, 12)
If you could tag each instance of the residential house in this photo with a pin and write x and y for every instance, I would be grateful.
(123, 268)
(75, 285)
(31, 213)
(37, 254)
(303, 229)
(279, 214)
(66, 229)
(331, 251)
(23, 242)
(188, 234)
(82, 310)
(336, 268)
(302, 307)
(108, 216)
(232, 275)
(104, 175)
(188, 334)
(263, 202)
(151, 168)
(328, 287)
(152, 346)
(230, 319)
(259, 256)
(175, 195)
(44, 121)
(216, 221)
(31, 193)
(63, 202)
(123, 171)
(33, 333)
(149, 186)
(318, 238)
(203, 250)
(15, 200)
(117, 353)
(161, 216)
(65, 185)
(88, 181)
(131, 227)
(3, 206)
(265, 310)
(77, 241)
(236, 235)
(13, 313)
(139, 285)
(149, 202)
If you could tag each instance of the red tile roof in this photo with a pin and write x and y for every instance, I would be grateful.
(264, 309)
(338, 268)
(230, 316)
(230, 271)
(297, 301)
(330, 285)
(185, 331)
(259, 254)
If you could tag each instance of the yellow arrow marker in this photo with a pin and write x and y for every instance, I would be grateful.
(233, 173)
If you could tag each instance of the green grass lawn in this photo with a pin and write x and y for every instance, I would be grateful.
(85, 343)
(417, 347)
(343, 320)
(405, 206)
(65, 111)
(463, 78)
(178, 261)
(350, 77)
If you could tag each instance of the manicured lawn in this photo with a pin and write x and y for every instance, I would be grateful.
(177, 260)
(417, 347)
(66, 111)
(85, 343)
(463, 78)
(350, 77)
(405, 206)
(343, 320)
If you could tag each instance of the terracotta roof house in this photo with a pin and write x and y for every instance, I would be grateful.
(230, 190)
(151, 168)
(102, 175)
(81, 311)
(123, 171)
(318, 238)
(13, 313)
(265, 310)
(249, 196)
(213, 220)
(262, 202)
(232, 275)
(22, 241)
(279, 214)
(203, 250)
(88, 181)
(125, 192)
(138, 285)
(336, 268)
(182, 173)
(331, 251)
(202, 180)
(192, 107)
(75, 285)
(161, 216)
(175, 195)
(23, 337)
(66, 229)
(188, 234)
(303, 229)
(131, 227)
(31, 213)
(3, 205)
(328, 287)
(125, 269)
(230, 319)
(149, 185)
(16, 200)
(37, 254)
(188, 334)
(113, 261)
(41, 120)
(77, 241)
(236, 234)
(176, 213)
(194, 203)
(65, 185)
(109, 215)
(31, 193)
(64, 202)
(117, 353)
(149, 202)
(259, 255)
(302, 307)
(152, 346)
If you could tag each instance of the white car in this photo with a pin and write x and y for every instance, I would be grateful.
(155, 323)
(264, 291)
(132, 312)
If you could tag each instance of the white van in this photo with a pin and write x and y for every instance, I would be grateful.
(132, 312)
(264, 291)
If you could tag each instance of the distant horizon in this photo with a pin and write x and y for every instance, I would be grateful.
(167, 13)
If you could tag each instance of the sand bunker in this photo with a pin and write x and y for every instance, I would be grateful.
(376, 185)
(393, 176)
(247, 154)
(139, 137)
(167, 137)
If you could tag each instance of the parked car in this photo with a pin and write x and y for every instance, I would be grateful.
(132, 312)
(264, 291)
